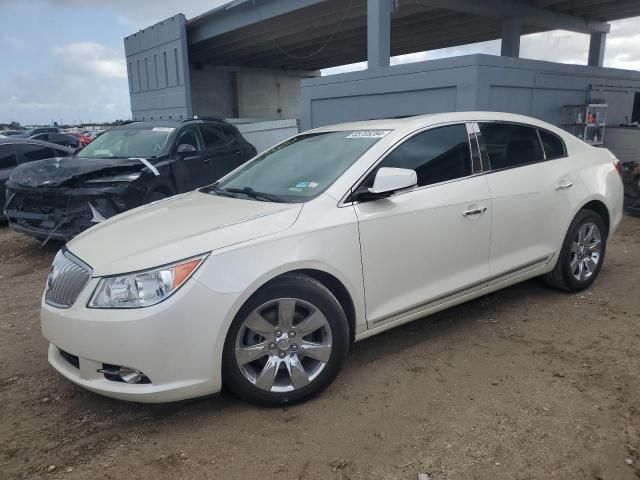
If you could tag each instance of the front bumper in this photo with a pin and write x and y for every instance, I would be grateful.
(177, 344)
(58, 214)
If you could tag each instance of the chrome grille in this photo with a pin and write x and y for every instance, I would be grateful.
(67, 277)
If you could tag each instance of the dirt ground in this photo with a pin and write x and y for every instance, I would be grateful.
(525, 383)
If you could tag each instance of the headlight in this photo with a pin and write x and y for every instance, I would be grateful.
(143, 289)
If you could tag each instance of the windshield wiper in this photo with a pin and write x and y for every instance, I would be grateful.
(220, 191)
(251, 193)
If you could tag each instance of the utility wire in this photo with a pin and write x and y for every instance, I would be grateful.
(301, 57)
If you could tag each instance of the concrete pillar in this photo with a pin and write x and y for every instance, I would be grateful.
(596, 49)
(379, 33)
(511, 30)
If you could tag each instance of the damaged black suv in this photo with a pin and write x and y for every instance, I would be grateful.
(127, 166)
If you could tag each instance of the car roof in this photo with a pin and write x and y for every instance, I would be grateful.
(166, 123)
(32, 141)
(420, 121)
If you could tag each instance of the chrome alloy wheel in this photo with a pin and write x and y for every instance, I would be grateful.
(283, 345)
(586, 251)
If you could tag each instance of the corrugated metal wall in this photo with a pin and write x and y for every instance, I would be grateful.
(471, 82)
(157, 67)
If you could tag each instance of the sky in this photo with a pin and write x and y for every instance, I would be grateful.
(63, 60)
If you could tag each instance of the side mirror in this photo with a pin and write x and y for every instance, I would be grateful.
(186, 148)
(389, 180)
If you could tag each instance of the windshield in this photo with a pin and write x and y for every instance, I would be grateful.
(301, 168)
(128, 142)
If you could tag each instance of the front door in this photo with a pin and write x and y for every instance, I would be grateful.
(190, 168)
(424, 246)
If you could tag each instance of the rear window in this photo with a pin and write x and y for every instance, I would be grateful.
(511, 145)
(215, 137)
(553, 145)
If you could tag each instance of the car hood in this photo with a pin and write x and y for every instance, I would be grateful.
(56, 172)
(177, 228)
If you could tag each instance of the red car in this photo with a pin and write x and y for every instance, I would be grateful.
(84, 139)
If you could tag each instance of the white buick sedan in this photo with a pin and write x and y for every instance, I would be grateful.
(261, 281)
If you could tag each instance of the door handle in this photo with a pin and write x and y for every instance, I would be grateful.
(475, 211)
(564, 186)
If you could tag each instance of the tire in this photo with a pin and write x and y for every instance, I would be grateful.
(310, 358)
(568, 275)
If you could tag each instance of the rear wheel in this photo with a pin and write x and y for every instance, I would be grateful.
(287, 343)
(582, 254)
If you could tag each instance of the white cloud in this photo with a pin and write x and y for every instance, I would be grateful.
(622, 50)
(142, 13)
(91, 59)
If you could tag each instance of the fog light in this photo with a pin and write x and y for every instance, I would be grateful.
(117, 373)
(129, 375)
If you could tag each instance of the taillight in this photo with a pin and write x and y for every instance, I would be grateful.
(618, 166)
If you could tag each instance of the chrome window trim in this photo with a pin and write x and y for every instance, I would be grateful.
(476, 158)
(544, 153)
(343, 201)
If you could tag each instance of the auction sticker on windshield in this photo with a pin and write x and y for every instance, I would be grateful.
(163, 129)
(369, 134)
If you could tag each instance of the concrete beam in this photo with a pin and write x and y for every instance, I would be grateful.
(379, 33)
(597, 45)
(242, 13)
(511, 31)
(529, 15)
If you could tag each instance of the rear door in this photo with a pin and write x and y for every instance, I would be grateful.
(242, 150)
(8, 162)
(223, 151)
(424, 246)
(530, 204)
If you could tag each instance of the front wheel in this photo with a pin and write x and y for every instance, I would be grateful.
(287, 343)
(582, 254)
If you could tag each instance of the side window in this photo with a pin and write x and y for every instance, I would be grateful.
(231, 133)
(30, 152)
(7, 157)
(215, 137)
(189, 136)
(553, 145)
(437, 155)
(510, 145)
